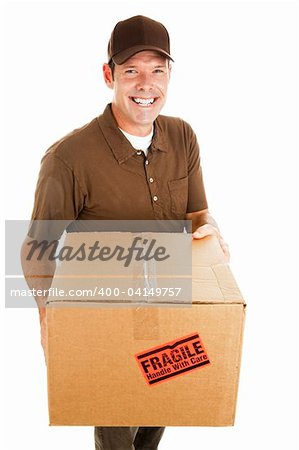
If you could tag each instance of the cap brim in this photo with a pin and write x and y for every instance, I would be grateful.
(122, 57)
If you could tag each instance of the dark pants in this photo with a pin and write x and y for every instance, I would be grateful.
(127, 438)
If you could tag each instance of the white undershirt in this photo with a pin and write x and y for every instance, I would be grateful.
(139, 142)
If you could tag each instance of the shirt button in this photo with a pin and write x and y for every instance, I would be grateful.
(155, 198)
(139, 152)
(151, 180)
(146, 162)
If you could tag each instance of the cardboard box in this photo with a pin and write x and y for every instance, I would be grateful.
(102, 360)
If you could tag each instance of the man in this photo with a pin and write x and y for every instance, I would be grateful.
(130, 163)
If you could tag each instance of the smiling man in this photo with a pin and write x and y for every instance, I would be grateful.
(130, 163)
(140, 88)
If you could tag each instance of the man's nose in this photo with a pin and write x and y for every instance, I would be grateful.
(144, 82)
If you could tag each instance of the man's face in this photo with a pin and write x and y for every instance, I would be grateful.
(140, 88)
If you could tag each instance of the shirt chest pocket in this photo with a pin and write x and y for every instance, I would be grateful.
(178, 190)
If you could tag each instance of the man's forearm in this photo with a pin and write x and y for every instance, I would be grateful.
(38, 275)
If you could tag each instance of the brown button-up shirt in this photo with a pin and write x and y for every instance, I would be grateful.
(94, 173)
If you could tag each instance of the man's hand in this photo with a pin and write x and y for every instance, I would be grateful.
(210, 230)
(203, 224)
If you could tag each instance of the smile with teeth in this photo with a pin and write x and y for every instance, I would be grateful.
(143, 101)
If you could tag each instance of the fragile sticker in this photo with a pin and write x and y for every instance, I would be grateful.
(172, 358)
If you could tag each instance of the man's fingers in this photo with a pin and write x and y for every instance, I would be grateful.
(205, 230)
(225, 248)
(210, 230)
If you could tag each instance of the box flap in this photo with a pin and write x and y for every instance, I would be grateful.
(212, 279)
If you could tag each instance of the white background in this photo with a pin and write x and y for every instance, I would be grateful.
(235, 81)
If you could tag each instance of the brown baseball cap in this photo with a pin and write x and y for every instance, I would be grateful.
(136, 34)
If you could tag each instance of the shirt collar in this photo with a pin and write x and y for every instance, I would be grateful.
(119, 144)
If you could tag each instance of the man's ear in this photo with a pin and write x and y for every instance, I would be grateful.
(108, 77)
(169, 68)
